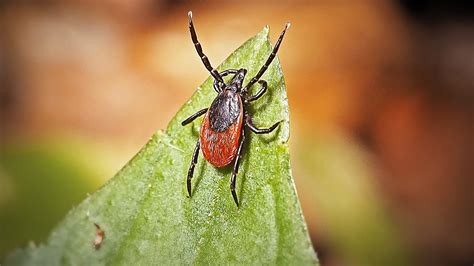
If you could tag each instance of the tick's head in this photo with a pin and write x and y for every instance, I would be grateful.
(237, 80)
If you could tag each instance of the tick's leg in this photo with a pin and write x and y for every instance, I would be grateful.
(269, 60)
(228, 71)
(259, 93)
(249, 123)
(201, 54)
(235, 171)
(223, 74)
(194, 116)
(191, 167)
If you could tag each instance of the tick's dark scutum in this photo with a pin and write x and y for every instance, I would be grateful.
(224, 110)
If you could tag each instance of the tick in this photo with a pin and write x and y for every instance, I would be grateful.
(222, 133)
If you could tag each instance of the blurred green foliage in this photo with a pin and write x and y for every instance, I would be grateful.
(39, 182)
(341, 177)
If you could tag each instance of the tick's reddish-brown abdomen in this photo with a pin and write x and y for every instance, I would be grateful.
(220, 148)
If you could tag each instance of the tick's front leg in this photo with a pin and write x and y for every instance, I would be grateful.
(201, 54)
(223, 74)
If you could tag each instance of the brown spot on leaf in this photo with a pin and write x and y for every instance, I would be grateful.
(99, 236)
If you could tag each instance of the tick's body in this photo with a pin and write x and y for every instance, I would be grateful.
(223, 128)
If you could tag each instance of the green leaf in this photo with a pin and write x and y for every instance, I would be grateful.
(148, 218)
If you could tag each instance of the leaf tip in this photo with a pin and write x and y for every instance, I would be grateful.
(265, 30)
(159, 132)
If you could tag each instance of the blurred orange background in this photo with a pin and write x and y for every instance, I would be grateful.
(381, 100)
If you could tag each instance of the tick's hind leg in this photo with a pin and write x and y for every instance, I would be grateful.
(191, 167)
(259, 93)
(235, 171)
(249, 123)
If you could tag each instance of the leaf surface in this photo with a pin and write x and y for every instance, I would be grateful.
(148, 218)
